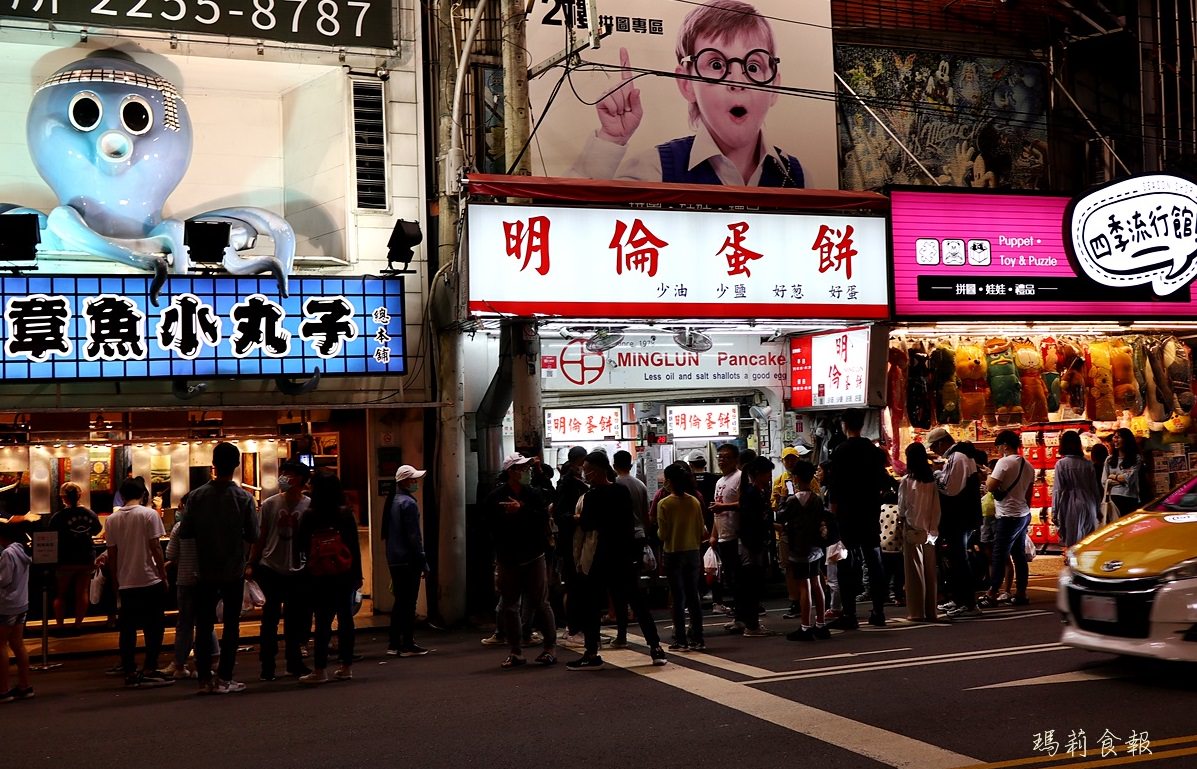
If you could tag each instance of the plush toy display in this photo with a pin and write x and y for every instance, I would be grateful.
(1051, 372)
(1072, 379)
(1126, 388)
(1004, 388)
(1163, 384)
(945, 387)
(918, 394)
(1153, 400)
(974, 385)
(1180, 373)
(1140, 368)
(1100, 402)
(1029, 362)
(895, 394)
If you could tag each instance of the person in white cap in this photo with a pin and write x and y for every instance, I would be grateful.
(519, 521)
(405, 559)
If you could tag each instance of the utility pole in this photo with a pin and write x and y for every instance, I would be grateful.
(525, 341)
(446, 302)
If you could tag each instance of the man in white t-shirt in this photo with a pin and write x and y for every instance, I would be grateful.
(133, 534)
(725, 536)
(1010, 483)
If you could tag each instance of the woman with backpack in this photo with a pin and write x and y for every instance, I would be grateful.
(328, 537)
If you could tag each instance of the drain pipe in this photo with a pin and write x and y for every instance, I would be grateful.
(488, 422)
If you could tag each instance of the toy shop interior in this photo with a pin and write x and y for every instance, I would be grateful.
(1041, 380)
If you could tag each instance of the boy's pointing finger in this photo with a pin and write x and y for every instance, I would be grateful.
(625, 62)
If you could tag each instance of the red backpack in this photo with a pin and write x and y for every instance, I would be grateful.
(328, 554)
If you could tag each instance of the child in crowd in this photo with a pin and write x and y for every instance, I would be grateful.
(14, 603)
(808, 529)
(728, 73)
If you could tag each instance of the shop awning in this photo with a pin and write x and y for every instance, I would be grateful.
(616, 192)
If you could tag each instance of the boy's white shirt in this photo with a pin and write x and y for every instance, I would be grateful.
(601, 159)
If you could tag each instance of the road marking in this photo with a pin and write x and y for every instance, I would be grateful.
(937, 659)
(852, 654)
(1044, 589)
(1018, 615)
(881, 745)
(1060, 678)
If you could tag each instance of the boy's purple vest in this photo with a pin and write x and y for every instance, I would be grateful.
(675, 162)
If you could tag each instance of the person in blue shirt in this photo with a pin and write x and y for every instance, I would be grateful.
(405, 558)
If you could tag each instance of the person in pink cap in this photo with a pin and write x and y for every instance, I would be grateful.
(405, 558)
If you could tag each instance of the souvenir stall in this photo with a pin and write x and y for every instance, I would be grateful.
(1035, 343)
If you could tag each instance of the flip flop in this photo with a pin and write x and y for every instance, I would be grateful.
(513, 661)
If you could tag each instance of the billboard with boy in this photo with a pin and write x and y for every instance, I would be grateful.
(703, 92)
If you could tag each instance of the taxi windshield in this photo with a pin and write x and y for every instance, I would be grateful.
(1182, 499)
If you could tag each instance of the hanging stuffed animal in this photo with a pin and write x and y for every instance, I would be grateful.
(1180, 373)
(974, 385)
(1029, 362)
(895, 393)
(1100, 402)
(1140, 368)
(1126, 388)
(1051, 372)
(1163, 383)
(945, 387)
(1153, 405)
(1005, 391)
(1072, 379)
(918, 396)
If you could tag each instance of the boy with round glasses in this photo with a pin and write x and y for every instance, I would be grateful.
(728, 74)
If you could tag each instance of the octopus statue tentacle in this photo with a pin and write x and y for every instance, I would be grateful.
(112, 139)
(249, 222)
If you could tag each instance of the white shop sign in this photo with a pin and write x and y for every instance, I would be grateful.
(651, 263)
(703, 421)
(648, 363)
(583, 425)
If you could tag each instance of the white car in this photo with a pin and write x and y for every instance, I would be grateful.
(1131, 587)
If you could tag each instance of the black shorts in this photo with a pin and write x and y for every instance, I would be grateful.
(806, 569)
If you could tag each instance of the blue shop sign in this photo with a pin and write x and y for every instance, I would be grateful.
(94, 327)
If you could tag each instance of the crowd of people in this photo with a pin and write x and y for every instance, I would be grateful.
(576, 551)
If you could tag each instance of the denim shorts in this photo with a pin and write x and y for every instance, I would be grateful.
(988, 528)
(12, 620)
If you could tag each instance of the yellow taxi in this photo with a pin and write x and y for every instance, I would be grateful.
(1131, 587)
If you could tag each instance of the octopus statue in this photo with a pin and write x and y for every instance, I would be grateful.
(112, 139)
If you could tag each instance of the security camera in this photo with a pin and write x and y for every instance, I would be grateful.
(382, 74)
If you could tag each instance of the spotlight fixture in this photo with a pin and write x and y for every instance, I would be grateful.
(603, 340)
(692, 341)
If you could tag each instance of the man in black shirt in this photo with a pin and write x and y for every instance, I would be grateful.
(858, 478)
(756, 533)
(607, 560)
(570, 488)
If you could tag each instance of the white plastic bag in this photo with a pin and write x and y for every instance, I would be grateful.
(1030, 548)
(253, 597)
(95, 591)
(710, 565)
(836, 552)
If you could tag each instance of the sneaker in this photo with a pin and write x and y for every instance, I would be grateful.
(845, 623)
(756, 632)
(1005, 597)
(536, 639)
(116, 670)
(314, 678)
(821, 632)
(17, 693)
(963, 612)
(619, 643)
(413, 651)
(207, 687)
(697, 646)
(393, 652)
(734, 627)
(1021, 600)
(876, 619)
(585, 662)
(946, 607)
(303, 671)
(573, 640)
(721, 609)
(492, 640)
(182, 673)
(801, 634)
(8, 696)
(150, 680)
(229, 687)
(264, 676)
(794, 612)
(343, 674)
(169, 669)
(658, 656)
(678, 646)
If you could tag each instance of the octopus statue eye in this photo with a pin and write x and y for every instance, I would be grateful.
(85, 111)
(136, 115)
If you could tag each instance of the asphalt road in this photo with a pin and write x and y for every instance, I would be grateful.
(981, 692)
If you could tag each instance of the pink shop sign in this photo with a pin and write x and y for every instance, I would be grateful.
(966, 254)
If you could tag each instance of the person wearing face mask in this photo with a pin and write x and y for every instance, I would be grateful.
(519, 521)
(406, 560)
(275, 564)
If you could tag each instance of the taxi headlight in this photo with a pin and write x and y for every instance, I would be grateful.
(1184, 570)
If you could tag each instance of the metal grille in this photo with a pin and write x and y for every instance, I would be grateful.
(369, 145)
